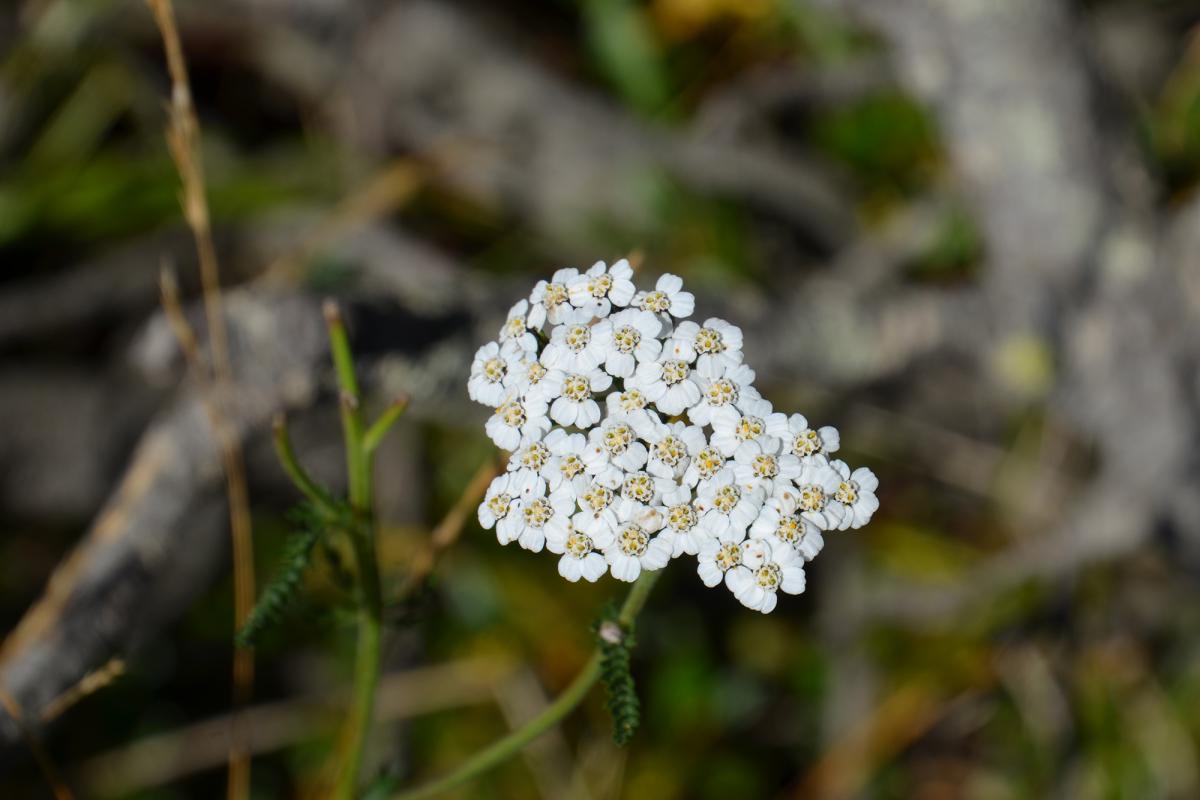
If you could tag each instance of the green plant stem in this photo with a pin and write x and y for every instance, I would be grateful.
(505, 748)
(287, 457)
(362, 533)
(376, 433)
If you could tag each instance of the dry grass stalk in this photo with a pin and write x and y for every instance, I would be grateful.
(57, 787)
(183, 139)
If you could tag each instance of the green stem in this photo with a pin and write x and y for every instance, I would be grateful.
(503, 749)
(376, 433)
(287, 457)
(362, 532)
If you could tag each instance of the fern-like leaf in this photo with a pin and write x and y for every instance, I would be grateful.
(616, 642)
(278, 593)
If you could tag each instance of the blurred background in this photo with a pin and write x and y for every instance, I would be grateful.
(966, 233)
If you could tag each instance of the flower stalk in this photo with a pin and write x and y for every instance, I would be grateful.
(505, 748)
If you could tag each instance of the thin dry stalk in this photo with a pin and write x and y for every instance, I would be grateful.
(91, 683)
(450, 528)
(162, 758)
(183, 139)
(57, 787)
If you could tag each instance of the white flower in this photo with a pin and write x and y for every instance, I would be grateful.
(780, 518)
(489, 375)
(804, 441)
(516, 422)
(550, 302)
(606, 474)
(580, 558)
(704, 466)
(750, 420)
(612, 450)
(814, 493)
(668, 383)
(516, 328)
(774, 567)
(536, 515)
(640, 491)
(602, 288)
(683, 519)
(629, 339)
(668, 297)
(856, 494)
(637, 547)
(672, 446)
(634, 406)
(532, 380)
(759, 464)
(717, 343)
(598, 509)
(722, 390)
(720, 561)
(502, 499)
(532, 456)
(727, 507)
(566, 459)
(577, 347)
(575, 405)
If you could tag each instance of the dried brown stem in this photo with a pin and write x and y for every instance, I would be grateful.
(60, 790)
(183, 138)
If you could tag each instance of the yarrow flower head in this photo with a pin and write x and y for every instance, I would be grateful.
(637, 437)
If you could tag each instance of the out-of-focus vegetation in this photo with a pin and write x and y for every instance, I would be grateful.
(1087, 687)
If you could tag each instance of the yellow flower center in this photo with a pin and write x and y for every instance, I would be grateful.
(728, 557)
(536, 372)
(748, 428)
(632, 540)
(674, 371)
(500, 504)
(575, 387)
(513, 328)
(632, 400)
(538, 512)
(626, 338)
(682, 517)
(670, 450)
(577, 338)
(727, 498)
(806, 443)
(597, 497)
(494, 369)
(535, 456)
(556, 294)
(721, 392)
(570, 466)
(708, 461)
(513, 414)
(790, 528)
(617, 438)
(709, 341)
(847, 492)
(812, 498)
(765, 466)
(656, 301)
(600, 286)
(768, 576)
(579, 545)
(639, 487)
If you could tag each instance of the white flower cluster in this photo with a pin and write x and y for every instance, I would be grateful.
(638, 436)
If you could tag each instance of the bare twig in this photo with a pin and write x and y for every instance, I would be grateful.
(450, 528)
(60, 790)
(162, 758)
(183, 138)
(92, 682)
